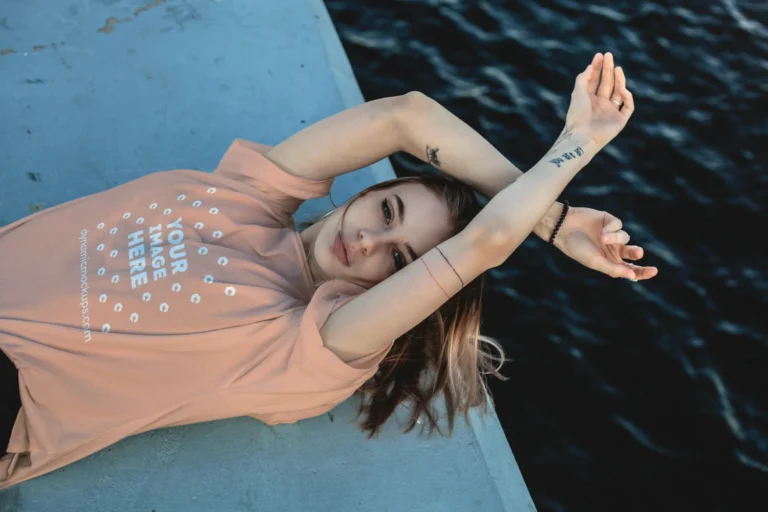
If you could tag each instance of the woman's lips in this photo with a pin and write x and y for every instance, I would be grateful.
(340, 251)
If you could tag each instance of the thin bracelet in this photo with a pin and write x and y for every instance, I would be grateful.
(449, 263)
(433, 277)
(559, 223)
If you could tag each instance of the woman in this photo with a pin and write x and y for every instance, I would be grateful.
(186, 296)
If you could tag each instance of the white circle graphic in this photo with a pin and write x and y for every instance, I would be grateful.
(134, 317)
(229, 291)
(164, 307)
(213, 211)
(212, 190)
(103, 298)
(217, 234)
(208, 279)
(181, 197)
(101, 271)
(100, 247)
(127, 215)
(153, 206)
(195, 299)
(100, 226)
(199, 225)
(115, 278)
(113, 231)
(197, 203)
(118, 307)
(140, 220)
(113, 253)
(176, 287)
(105, 328)
(167, 211)
(146, 296)
(203, 251)
(222, 261)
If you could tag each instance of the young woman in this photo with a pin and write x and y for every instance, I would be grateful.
(185, 296)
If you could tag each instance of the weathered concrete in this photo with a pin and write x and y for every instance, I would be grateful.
(97, 93)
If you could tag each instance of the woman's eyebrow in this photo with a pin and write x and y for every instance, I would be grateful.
(401, 215)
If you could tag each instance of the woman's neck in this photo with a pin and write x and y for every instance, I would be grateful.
(308, 239)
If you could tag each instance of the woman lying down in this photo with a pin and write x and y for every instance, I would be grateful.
(186, 296)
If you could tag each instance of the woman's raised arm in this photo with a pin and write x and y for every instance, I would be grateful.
(373, 319)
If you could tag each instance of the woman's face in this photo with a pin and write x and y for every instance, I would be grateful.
(383, 231)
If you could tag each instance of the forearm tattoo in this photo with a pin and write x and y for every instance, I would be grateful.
(564, 135)
(432, 156)
(568, 155)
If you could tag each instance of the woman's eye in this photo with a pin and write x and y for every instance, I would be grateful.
(399, 263)
(387, 211)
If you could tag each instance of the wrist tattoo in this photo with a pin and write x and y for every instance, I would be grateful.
(565, 135)
(568, 155)
(432, 156)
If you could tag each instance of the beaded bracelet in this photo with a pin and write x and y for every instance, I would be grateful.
(559, 223)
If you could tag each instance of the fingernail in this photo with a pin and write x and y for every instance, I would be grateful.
(632, 276)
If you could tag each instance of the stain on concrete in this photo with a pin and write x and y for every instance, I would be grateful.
(149, 76)
(39, 47)
(65, 63)
(109, 25)
(29, 132)
(34, 81)
(150, 5)
(330, 416)
(34, 176)
(4, 24)
(181, 14)
(7, 51)
(37, 207)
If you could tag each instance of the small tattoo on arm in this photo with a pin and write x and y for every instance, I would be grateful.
(568, 155)
(563, 137)
(432, 155)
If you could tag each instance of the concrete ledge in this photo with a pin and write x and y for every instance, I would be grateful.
(97, 93)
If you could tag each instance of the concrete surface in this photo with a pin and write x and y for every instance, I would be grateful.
(96, 93)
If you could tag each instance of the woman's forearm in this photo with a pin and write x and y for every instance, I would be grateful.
(511, 215)
(434, 135)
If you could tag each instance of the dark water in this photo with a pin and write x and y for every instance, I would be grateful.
(623, 396)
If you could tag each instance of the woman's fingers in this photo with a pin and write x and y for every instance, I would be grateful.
(626, 270)
(594, 81)
(582, 79)
(613, 223)
(630, 252)
(621, 90)
(605, 89)
(642, 272)
(618, 237)
(616, 269)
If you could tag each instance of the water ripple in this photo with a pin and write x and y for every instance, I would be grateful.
(640, 436)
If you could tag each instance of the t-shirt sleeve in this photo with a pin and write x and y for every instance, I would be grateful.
(328, 298)
(320, 380)
(245, 162)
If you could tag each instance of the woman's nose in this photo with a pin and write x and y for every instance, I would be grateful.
(370, 240)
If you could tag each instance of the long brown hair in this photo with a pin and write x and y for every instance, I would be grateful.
(445, 353)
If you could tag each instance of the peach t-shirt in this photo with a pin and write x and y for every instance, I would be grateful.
(178, 297)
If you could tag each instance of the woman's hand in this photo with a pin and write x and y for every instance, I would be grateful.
(600, 103)
(595, 239)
